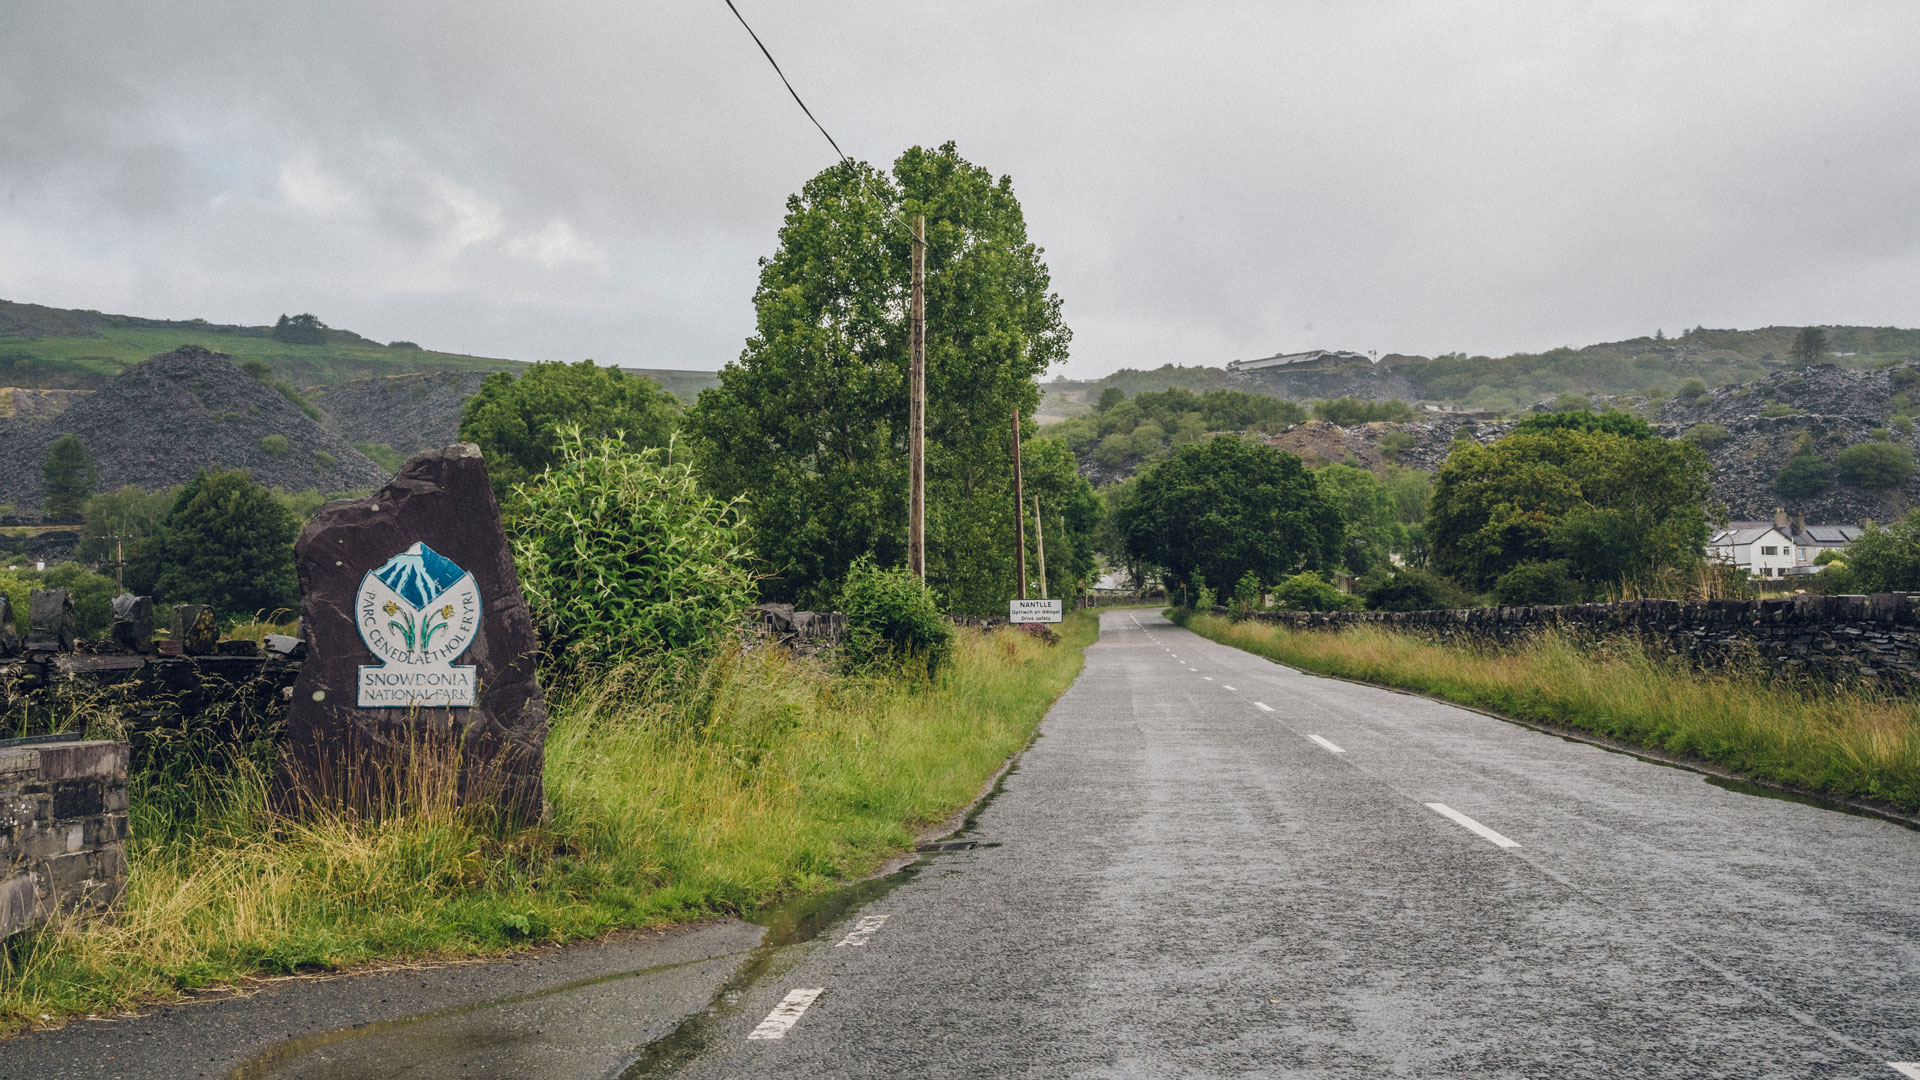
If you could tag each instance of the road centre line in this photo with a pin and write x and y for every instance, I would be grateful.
(1263, 706)
(1470, 825)
(1229, 687)
(1209, 678)
(786, 1014)
(862, 930)
(1332, 749)
(1906, 1068)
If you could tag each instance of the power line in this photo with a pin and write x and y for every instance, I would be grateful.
(783, 80)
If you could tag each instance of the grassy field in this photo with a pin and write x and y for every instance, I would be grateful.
(1836, 741)
(88, 362)
(763, 778)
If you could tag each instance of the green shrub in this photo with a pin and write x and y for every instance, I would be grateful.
(1308, 591)
(382, 455)
(1901, 377)
(227, 542)
(1395, 443)
(92, 595)
(1804, 476)
(1411, 589)
(1537, 583)
(892, 621)
(1248, 596)
(1348, 411)
(1692, 389)
(1707, 436)
(324, 460)
(624, 558)
(1779, 408)
(273, 445)
(1877, 466)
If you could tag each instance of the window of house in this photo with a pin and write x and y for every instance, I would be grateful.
(1774, 550)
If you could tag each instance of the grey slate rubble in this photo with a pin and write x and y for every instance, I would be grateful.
(168, 418)
(50, 625)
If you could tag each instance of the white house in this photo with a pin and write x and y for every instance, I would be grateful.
(1783, 547)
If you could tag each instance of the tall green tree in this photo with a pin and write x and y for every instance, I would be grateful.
(68, 477)
(1609, 505)
(810, 423)
(1372, 526)
(227, 543)
(1809, 346)
(517, 421)
(1227, 506)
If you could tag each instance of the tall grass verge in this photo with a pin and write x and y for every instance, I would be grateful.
(759, 776)
(1850, 742)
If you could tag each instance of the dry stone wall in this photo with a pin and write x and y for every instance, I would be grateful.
(1874, 638)
(63, 828)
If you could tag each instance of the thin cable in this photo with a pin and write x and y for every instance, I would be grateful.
(783, 80)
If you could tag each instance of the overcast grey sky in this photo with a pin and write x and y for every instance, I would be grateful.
(1210, 181)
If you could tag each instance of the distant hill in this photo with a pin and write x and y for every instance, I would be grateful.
(168, 418)
(62, 348)
(1513, 383)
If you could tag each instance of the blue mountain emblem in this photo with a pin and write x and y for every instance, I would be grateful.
(419, 575)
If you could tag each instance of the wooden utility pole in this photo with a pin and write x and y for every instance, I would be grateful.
(1019, 512)
(917, 409)
(1040, 546)
(119, 566)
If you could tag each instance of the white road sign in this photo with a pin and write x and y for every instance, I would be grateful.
(1026, 611)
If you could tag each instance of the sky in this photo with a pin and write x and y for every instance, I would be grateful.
(1210, 181)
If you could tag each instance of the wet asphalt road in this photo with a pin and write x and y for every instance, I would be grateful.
(1179, 882)
(1187, 885)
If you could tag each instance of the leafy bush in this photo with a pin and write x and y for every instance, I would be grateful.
(1902, 377)
(1692, 389)
(1411, 589)
(1308, 591)
(324, 460)
(517, 422)
(273, 445)
(1611, 422)
(1886, 558)
(1779, 408)
(892, 620)
(1248, 596)
(1875, 465)
(1395, 443)
(227, 542)
(382, 455)
(92, 595)
(1349, 411)
(403, 345)
(1537, 583)
(1804, 476)
(68, 477)
(623, 557)
(1707, 436)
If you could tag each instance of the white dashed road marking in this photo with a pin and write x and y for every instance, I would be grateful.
(1332, 749)
(786, 1014)
(1906, 1068)
(862, 930)
(1209, 678)
(1263, 706)
(1469, 824)
(1228, 687)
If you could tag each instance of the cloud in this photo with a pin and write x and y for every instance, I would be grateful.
(1210, 180)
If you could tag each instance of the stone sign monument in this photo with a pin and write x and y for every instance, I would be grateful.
(420, 675)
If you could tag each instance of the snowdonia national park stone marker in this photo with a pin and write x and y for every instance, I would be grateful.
(419, 682)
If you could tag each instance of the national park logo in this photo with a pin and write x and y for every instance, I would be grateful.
(418, 612)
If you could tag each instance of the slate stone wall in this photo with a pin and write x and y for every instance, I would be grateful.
(1876, 638)
(63, 829)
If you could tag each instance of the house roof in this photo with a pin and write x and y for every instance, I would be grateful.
(1831, 534)
(1739, 533)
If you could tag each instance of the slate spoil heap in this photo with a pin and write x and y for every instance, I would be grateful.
(166, 419)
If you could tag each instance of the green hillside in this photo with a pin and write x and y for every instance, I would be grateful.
(53, 348)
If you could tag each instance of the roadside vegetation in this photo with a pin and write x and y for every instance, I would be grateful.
(1835, 740)
(688, 774)
(764, 777)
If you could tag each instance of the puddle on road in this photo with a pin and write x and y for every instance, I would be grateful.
(514, 1036)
